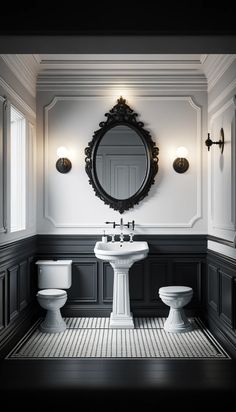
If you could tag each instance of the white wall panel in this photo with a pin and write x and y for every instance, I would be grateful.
(67, 203)
(222, 179)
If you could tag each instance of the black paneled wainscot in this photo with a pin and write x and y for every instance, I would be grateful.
(17, 286)
(172, 260)
(221, 297)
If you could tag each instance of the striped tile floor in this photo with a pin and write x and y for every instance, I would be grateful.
(92, 338)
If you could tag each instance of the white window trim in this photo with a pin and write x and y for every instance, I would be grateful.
(18, 169)
(5, 235)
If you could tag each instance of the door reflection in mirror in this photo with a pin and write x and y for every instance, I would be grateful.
(121, 162)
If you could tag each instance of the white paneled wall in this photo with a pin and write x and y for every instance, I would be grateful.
(222, 171)
(175, 203)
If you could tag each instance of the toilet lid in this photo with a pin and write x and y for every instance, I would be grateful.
(175, 289)
(45, 293)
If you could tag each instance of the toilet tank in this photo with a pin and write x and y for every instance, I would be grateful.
(54, 274)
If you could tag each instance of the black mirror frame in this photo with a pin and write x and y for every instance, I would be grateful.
(122, 114)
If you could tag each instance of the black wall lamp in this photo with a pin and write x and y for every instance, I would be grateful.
(220, 142)
(181, 164)
(63, 164)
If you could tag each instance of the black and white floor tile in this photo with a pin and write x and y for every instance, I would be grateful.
(92, 338)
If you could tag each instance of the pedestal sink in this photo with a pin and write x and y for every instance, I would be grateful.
(121, 256)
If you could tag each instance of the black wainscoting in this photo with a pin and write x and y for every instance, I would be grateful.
(172, 260)
(17, 286)
(221, 298)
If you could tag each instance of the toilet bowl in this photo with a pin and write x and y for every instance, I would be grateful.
(176, 297)
(53, 277)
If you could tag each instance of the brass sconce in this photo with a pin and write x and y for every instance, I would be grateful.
(181, 164)
(63, 164)
(220, 142)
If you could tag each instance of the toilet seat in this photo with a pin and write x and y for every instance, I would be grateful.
(173, 290)
(52, 293)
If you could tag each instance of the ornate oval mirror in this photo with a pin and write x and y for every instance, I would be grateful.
(121, 160)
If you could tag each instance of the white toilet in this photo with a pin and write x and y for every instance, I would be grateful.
(53, 277)
(176, 297)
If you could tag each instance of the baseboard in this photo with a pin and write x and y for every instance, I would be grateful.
(18, 328)
(78, 311)
(229, 343)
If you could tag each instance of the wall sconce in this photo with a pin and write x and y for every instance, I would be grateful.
(220, 142)
(181, 164)
(63, 164)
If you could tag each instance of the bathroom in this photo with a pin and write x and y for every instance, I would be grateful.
(186, 217)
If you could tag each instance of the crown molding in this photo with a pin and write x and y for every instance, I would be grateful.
(24, 106)
(128, 79)
(222, 96)
(25, 67)
(215, 65)
(73, 72)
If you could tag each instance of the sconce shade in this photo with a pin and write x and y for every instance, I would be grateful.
(62, 152)
(181, 152)
(63, 165)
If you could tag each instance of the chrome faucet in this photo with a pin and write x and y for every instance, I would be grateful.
(121, 224)
(129, 225)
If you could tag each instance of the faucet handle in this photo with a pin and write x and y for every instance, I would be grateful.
(112, 223)
(121, 237)
(132, 224)
(131, 235)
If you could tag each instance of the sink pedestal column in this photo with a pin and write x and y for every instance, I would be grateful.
(121, 317)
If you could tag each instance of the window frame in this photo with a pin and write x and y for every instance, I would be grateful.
(6, 235)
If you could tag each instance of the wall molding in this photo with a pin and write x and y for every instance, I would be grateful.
(18, 249)
(216, 65)
(194, 218)
(25, 68)
(112, 79)
(84, 244)
(216, 256)
(221, 241)
(223, 108)
(11, 92)
(221, 97)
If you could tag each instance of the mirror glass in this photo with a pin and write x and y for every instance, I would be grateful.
(121, 162)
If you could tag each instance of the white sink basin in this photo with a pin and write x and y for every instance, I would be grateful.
(117, 251)
(121, 257)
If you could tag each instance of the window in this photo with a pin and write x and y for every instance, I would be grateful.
(17, 171)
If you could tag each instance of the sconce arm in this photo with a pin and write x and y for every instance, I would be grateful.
(220, 142)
